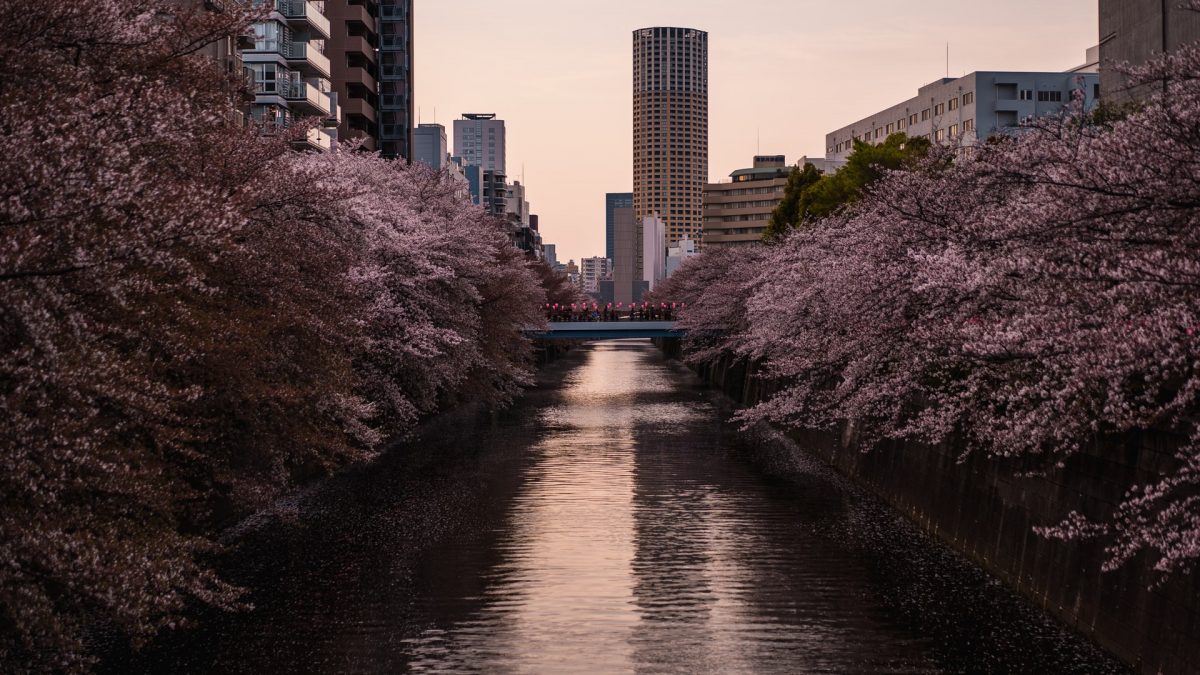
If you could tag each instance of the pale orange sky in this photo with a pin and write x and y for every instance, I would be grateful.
(559, 73)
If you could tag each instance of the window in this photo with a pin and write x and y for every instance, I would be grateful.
(953, 130)
(268, 35)
(1050, 97)
(1026, 94)
(939, 109)
(890, 128)
(912, 120)
(941, 134)
(878, 134)
(954, 103)
(968, 98)
(925, 115)
(969, 125)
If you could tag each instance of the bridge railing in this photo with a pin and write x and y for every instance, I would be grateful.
(597, 313)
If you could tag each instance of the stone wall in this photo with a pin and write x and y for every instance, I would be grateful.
(979, 507)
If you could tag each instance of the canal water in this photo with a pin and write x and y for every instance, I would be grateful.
(613, 522)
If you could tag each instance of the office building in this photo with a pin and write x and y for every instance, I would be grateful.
(479, 139)
(550, 255)
(969, 109)
(670, 127)
(1134, 31)
(591, 272)
(430, 146)
(737, 211)
(291, 71)
(395, 77)
(612, 202)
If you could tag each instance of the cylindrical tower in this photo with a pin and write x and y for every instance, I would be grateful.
(670, 127)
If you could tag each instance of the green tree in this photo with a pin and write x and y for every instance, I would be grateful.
(810, 196)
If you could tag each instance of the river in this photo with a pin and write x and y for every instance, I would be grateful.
(613, 522)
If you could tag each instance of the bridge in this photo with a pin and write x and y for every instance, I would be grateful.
(608, 330)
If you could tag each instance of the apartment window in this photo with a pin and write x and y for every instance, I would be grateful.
(266, 78)
(953, 130)
(1050, 97)
(925, 115)
(899, 124)
(941, 134)
(954, 103)
(968, 98)
(939, 109)
(1026, 94)
(912, 120)
(969, 125)
(890, 128)
(878, 134)
(268, 35)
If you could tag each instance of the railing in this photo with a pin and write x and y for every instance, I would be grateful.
(311, 11)
(301, 51)
(303, 91)
(596, 313)
(394, 41)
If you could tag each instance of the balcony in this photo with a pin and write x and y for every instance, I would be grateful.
(396, 12)
(305, 12)
(318, 139)
(358, 106)
(392, 71)
(394, 42)
(305, 99)
(301, 56)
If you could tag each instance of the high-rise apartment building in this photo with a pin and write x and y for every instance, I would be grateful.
(670, 127)
(1134, 31)
(479, 139)
(352, 49)
(612, 202)
(290, 69)
(395, 78)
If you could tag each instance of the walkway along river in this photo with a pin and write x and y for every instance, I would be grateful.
(612, 522)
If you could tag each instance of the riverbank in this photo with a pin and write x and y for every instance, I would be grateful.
(982, 510)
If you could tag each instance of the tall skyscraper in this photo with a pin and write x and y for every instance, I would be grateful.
(479, 139)
(612, 202)
(670, 128)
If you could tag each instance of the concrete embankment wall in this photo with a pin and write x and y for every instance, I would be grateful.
(979, 507)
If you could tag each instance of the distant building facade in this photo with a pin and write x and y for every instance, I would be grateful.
(670, 127)
(654, 251)
(591, 272)
(480, 140)
(679, 253)
(430, 146)
(1134, 31)
(969, 109)
(628, 285)
(612, 202)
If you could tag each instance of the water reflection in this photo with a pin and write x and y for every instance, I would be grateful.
(607, 526)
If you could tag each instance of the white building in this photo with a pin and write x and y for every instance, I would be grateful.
(480, 141)
(516, 205)
(970, 108)
(654, 251)
(592, 271)
(682, 250)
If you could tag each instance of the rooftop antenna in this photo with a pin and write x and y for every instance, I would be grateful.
(758, 140)
(418, 115)
(947, 60)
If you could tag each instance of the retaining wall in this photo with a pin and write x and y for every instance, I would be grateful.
(983, 510)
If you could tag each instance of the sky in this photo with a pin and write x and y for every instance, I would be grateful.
(782, 74)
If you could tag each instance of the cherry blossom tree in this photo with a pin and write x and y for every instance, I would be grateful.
(197, 319)
(1026, 298)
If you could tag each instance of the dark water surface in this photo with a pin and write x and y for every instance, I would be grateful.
(613, 523)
